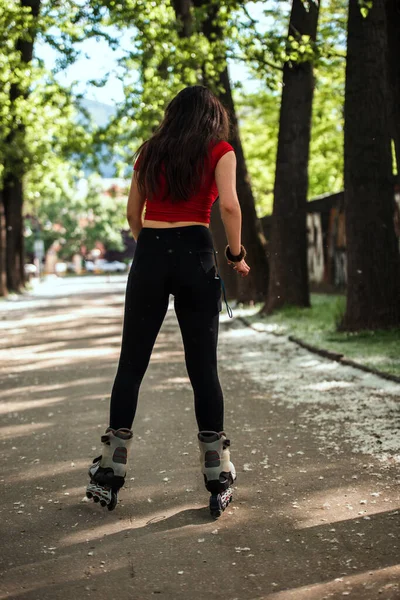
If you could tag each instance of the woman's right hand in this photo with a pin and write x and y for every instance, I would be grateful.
(240, 267)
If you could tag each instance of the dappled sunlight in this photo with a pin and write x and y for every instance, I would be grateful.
(171, 386)
(178, 380)
(49, 571)
(11, 330)
(130, 523)
(76, 493)
(96, 532)
(326, 366)
(340, 504)
(171, 383)
(61, 339)
(114, 340)
(324, 386)
(166, 356)
(36, 353)
(183, 515)
(72, 315)
(61, 358)
(12, 327)
(100, 331)
(378, 581)
(22, 349)
(290, 486)
(59, 344)
(316, 365)
(41, 469)
(45, 389)
(18, 406)
(13, 431)
(87, 397)
(242, 332)
(306, 363)
(344, 407)
(47, 320)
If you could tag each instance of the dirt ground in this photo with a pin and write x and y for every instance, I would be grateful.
(316, 507)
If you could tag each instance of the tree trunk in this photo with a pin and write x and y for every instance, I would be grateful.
(184, 14)
(3, 273)
(288, 282)
(253, 288)
(373, 261)
(183, 11)
(14, 166)
(12, 202)
(393, 31)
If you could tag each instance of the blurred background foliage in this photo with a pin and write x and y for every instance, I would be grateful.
(51, 140)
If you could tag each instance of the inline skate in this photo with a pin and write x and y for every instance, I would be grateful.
(219, 473)
(108, 471)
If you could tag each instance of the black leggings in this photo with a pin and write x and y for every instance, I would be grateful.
(178, 261)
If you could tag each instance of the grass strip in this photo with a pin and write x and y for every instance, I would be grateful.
(316, 326)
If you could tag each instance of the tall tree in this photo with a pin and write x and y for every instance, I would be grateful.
(185, 17)
(373, 261)
(3, 273)
(256, 284)
(288, 282)
(21, 107)
(193, 50)
(393, 31)
(14, 165)
(10, 23)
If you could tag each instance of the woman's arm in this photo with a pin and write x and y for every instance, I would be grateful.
(225, 178)
(134, 210)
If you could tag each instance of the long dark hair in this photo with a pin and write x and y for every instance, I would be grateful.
(180, 145)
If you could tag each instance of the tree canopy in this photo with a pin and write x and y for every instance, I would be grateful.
(54, 141)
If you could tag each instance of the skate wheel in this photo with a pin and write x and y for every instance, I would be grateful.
(114, 501)
(89, 495)
(219, 502)
(96, 499)
(103, 503)
(216, 508)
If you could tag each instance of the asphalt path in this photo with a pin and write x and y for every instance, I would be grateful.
(313, 517)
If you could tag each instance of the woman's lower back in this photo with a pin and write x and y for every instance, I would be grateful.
(168, 224)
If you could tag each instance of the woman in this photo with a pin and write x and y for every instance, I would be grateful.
(180, 171)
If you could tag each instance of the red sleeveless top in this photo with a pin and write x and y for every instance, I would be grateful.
(198, 207)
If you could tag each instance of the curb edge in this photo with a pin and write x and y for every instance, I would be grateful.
(341, 358)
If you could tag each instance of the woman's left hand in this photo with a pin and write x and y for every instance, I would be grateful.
(240, 267)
